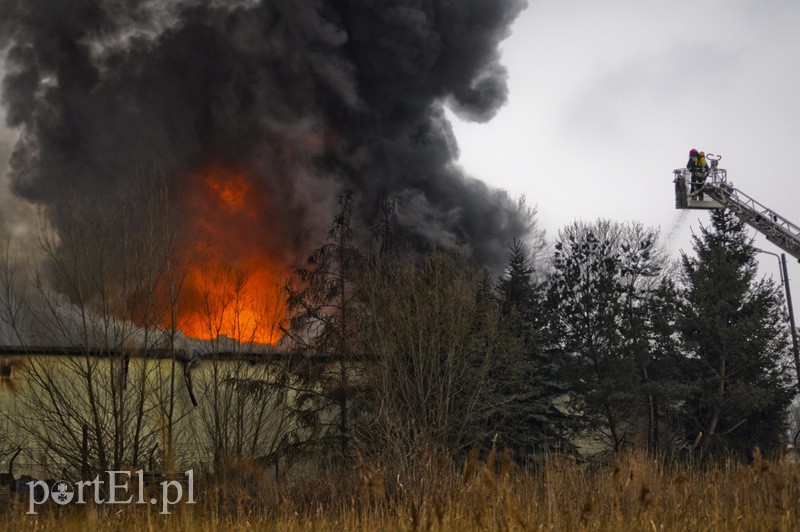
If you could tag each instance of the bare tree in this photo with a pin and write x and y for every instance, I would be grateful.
(99, 294)
(243, 391)
(436, 336)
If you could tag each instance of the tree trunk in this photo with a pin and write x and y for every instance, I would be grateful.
(714, 421)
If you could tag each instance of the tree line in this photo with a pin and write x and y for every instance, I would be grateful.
(602, 344)
(598, 343)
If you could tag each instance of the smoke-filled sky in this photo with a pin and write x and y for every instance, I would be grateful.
(604, 99)
(274, 106)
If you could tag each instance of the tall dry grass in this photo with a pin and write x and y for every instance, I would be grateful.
(633, 492)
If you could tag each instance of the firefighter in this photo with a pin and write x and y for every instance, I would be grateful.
(698, 167)
(703, 170)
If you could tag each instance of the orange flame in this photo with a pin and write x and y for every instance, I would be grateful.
(232, 286)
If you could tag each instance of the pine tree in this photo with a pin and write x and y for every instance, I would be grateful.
(733, 326)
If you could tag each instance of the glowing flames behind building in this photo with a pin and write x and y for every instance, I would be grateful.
(232, 286)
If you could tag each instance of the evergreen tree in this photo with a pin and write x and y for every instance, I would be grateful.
(387, 231)
(734, 328)
(322, 299)
(663, 371)
(530, 420)
(520, 293)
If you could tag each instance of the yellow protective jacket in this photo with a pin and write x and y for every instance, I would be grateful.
(697, 166)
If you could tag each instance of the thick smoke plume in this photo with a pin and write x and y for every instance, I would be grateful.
(307, 98)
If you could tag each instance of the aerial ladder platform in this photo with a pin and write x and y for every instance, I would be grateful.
(722, 194)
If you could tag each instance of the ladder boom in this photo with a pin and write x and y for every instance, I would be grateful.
(775, 227)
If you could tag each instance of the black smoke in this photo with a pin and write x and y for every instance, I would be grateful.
(311, 97)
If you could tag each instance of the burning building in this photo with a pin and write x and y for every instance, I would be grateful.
(257, 114)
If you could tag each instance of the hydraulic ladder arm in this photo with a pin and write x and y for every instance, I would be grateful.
(775, 227)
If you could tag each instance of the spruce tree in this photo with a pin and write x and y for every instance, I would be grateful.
(734, 329)
(530, 422)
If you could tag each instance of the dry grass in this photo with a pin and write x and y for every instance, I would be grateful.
(632, 493)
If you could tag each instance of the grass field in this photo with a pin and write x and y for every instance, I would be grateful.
(633, 492)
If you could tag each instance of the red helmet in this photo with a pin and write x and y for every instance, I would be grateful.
(692, 152)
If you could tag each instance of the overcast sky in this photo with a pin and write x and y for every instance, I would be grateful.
(608, 97)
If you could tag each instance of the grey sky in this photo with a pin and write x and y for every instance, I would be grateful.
(607, 98)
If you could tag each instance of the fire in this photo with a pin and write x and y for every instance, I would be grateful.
(232, 286)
